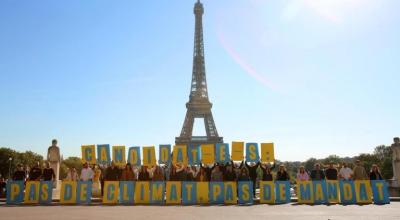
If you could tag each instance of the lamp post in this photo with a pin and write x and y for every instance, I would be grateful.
(9, 169)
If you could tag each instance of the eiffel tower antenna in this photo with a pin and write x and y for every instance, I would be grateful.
(199, 105)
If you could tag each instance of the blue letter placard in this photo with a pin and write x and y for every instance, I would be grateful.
(15, 192)
(380, 192)
(46, 192)
(216, 193)
(245, 192)
(252, 154)
(189, 195)
(282, 189)
(194, 154)
(222, 153)
(126, 192)
(164, 154)
(134, 156)
(320, 192)
(84, 192)
(103, 154)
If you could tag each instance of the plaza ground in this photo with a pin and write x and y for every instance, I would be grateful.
(280, 212)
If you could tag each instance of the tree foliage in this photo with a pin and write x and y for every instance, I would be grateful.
(27, 158)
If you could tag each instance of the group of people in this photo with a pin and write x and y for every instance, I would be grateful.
(218, 172)
(344, 173)
(36, 173)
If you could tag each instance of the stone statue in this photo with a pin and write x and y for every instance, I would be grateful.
(396, 158)
(54, 158)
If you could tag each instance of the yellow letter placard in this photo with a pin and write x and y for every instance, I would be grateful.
(32, 192)
(149, 156)
(202, 192)
(267, 152)
(237, 151)
(207, 153)
(363, 191)
(89, 154)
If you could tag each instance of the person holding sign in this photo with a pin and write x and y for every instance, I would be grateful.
(112, 173)
(317, 174)
(252, 167)
(202, 175)
(345, 172)
(331, 173)
(128, 174)
(266, 172)
(375, 174)
(216, 175)
(302, 175)
(158, 174)
(244, 175)
(229, 174)
(144, 174)
(282, 175)
(87, 173)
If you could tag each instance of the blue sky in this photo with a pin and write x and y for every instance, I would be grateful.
(315, 77)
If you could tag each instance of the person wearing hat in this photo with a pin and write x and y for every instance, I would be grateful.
(359, 172)
(331, 173)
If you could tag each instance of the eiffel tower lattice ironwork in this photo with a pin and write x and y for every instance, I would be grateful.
(199, 105)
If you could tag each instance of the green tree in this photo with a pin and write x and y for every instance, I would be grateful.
(309, 164)
(68, 163)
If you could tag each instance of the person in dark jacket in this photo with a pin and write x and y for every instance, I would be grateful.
(48, 173)
(144, 174)
(317, 174)
(19, 174)
(252, 167)
(331, 173)
(190, 173)
(202, 175)
(282, 175)
(112, 173)
(35, 173)
(244, 175)
(375, 174)
(266, 172)
(173, 175)
(229, 174)
(208, 170)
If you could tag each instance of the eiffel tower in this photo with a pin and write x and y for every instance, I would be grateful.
(198, 106)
